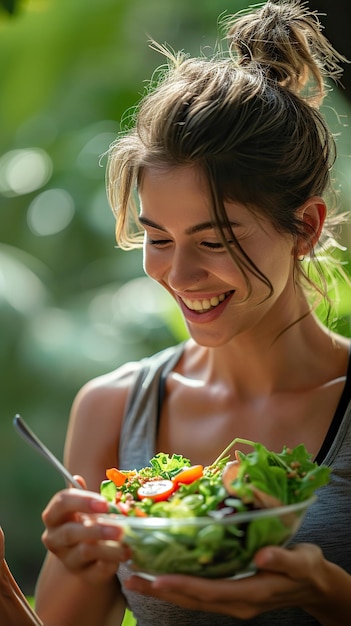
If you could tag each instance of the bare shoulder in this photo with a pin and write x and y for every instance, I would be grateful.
(341, 351)
(95, 423)
(108, 386)
(342, 342)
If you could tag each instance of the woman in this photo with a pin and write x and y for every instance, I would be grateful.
(231, 161)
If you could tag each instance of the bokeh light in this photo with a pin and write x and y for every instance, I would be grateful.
(50, 212)
(20, 287)
(23, 171)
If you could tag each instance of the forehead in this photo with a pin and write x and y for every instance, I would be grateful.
(175, 197)
(185, 178)
(182, 194)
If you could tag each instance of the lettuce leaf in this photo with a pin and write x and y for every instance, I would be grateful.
(168, 466)
(290, 475)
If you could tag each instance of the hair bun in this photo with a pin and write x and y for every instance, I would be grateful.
(285, 40)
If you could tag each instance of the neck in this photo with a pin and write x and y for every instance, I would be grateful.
(253, 364)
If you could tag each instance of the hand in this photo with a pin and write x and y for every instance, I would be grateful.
(84, 546)
(286, 578)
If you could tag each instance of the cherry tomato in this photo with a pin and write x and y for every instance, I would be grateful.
(123, 507)
(157, 490)
(188, 475)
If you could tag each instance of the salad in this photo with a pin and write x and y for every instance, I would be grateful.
(210, 521)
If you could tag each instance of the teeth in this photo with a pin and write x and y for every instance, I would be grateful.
(204, 305)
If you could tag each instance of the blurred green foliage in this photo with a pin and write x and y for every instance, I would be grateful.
(72, 306)
(8, 5)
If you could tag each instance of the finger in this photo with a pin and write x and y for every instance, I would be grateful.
(110, 553)
(242, 598)
(67, 502)
(214, 596)
(95, 559)
(93, 569)
(165, 593)
(194, 588)
(296, 562)
(58, 538)
(80, 480)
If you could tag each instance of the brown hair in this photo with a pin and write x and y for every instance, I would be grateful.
(248, 118)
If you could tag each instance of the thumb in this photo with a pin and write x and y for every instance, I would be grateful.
(294, 562)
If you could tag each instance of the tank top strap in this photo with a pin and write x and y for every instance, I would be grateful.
(139, 428)
(340, 413)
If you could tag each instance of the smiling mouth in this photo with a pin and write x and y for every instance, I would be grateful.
(206, 304)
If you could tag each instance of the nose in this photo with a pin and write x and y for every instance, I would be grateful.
(185, 270)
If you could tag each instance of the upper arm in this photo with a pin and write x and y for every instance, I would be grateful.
(91, 446)
(95, 425)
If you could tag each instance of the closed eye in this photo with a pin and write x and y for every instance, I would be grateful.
(157, 242)
(215, 245)
(212, 244)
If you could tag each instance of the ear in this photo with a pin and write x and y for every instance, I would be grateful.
(312, 215)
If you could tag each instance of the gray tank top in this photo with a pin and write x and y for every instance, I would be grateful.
(326, 524)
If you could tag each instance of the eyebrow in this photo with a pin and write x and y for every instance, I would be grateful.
(197, 228)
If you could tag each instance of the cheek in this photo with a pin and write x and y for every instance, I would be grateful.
(274, 259)
(270, 247)
(146, 262)
(152, 264)
(278, 265)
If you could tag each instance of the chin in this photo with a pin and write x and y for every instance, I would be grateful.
(207, 340)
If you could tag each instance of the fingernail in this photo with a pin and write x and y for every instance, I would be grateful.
(264, 557)
(99, 505)
(109, 532)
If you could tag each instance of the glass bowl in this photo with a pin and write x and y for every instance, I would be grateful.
(220, 546)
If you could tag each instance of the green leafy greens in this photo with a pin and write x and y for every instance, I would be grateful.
(168, 466)
(225, 543)
(290, 476)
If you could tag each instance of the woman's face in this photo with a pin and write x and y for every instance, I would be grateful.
(183, 252)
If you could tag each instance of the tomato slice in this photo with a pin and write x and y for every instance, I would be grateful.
(188, 475)
(157, 490)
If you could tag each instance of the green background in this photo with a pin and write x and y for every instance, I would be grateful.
(72, 306)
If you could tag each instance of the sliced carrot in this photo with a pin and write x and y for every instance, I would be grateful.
(188, 475)
(139, 512)
(118, 477)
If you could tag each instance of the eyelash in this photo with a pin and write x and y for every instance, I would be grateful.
(158, 242)
(212, 245)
